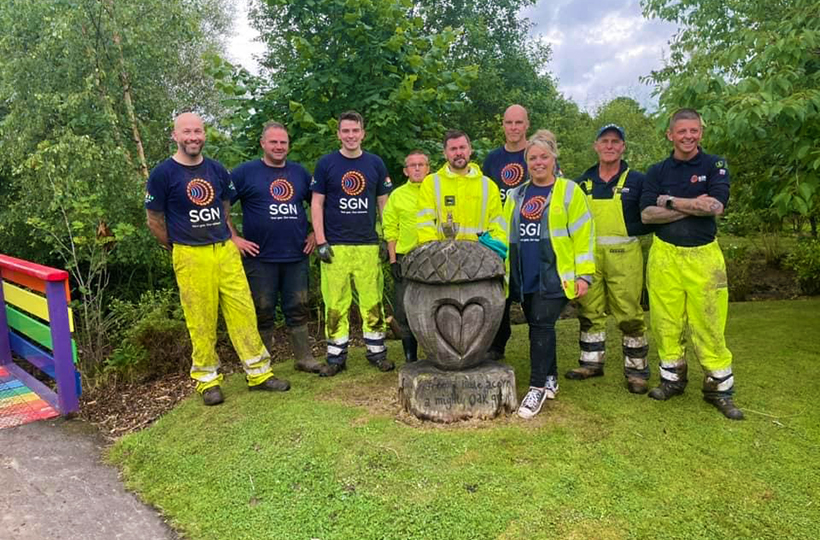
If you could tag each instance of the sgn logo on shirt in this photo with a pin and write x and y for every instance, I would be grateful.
(353, 184)
(282, 191)
(531, 211)
(201, 193)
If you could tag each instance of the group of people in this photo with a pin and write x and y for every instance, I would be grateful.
(561, 240)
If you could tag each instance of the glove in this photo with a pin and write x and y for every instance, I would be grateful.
(384, 255)
(496, 245)
(325, 253)
(395, 269)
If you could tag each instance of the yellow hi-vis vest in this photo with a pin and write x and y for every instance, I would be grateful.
(472, 201)
(610, 227)
(568, 226)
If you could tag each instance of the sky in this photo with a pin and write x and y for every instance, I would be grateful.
(600, 48)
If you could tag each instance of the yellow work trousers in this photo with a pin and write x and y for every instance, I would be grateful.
(615, 290)
(210, 276)
(687, 285)
(361, 264)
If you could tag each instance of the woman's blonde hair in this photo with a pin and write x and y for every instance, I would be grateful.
(545, 139)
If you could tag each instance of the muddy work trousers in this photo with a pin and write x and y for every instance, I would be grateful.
(615, 290)
(361, 264)
(271, 282)
(687, 286)
(209, 277)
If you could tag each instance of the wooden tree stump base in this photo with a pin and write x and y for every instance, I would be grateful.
(483, 392)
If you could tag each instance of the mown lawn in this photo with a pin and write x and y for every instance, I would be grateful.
(333, 458)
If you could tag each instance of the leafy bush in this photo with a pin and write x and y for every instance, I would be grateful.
(805, 261)
(151, 336)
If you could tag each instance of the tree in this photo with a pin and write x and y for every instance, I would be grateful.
(752, 68)
(87, 91)
(372, 56)
(512, 63)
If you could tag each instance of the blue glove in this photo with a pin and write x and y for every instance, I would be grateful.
(495, 245)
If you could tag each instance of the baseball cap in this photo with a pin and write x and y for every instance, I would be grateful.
(611, 127)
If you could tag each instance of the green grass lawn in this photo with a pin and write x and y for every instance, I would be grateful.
(334, 459)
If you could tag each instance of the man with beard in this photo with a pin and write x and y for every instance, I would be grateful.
(188, 207)
(459, 201)
(273, 192)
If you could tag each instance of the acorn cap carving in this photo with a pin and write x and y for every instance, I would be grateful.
(457, 261)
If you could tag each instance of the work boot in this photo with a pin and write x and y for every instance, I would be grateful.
(383, 364)
(584, 372)
(636, 385)
(300, 342)
(331, 370)
(272, 385)
(410, 346)
(666, 390)
(212, 396)
(726, 406)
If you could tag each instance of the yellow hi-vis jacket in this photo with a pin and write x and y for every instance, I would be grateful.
(473, 201)
(399, 219)
(568, 226)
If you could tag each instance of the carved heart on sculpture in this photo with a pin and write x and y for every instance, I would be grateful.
(458, 325)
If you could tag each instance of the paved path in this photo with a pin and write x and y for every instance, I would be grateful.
(53, 485)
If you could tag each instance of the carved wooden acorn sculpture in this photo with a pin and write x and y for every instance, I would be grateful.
(454, 300)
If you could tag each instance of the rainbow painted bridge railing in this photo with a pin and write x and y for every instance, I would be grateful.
(36, 325)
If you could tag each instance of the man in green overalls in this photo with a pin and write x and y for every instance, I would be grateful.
(614, 193)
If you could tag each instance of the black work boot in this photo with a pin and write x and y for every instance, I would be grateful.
(212, 396)
(331, 370)
(726, 406)
(300, 341)
(411, 347)
(666, 390)
(584, 372)
(272, 384)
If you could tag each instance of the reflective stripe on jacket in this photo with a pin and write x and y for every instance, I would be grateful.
(568, 226)
(472, 201)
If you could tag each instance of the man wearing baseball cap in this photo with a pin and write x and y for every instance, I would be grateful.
(614, 193)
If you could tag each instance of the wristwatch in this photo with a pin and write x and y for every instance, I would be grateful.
(670, 203)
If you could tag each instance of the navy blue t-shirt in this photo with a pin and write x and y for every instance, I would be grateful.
(350, 187)
(191, 197)
(507, 169)
(531, 250)
(591, 181)
(704, 174)
(273, 208)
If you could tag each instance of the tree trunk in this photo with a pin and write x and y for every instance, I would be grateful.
(126, 91)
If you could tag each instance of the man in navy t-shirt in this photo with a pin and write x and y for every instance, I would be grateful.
(686, 274)
(507, 167)
(274, 193)
(188, 205)
(347, 187)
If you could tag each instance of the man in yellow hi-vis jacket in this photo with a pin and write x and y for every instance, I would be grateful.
(399, 225)
(458, 197)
